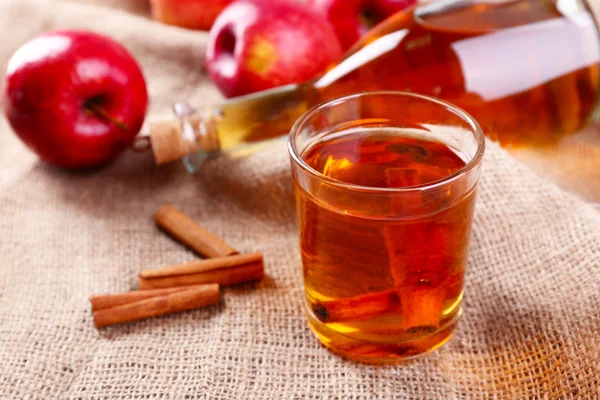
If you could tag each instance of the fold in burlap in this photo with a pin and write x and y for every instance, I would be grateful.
(531, 324)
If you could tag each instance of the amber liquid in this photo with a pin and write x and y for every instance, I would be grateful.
(525, 69)
(383, 285)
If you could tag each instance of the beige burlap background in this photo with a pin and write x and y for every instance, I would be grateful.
(531, 327)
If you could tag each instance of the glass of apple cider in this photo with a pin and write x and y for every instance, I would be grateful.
(385, 188)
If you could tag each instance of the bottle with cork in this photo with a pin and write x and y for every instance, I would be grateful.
(527, 70)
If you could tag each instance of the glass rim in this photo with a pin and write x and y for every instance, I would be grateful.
(459, 112)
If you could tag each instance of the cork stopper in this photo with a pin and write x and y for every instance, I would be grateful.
(167, 142)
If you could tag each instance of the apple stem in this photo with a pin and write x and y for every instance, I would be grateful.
(101, 112)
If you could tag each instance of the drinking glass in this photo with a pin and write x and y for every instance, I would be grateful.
(385, 187)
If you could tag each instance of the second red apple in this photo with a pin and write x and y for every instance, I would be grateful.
(258, 44)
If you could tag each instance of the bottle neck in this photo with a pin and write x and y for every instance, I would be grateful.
(237, 126)
(192, 134)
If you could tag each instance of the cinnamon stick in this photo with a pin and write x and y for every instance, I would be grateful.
(105, 301)
(189, 299)
(421, 303)
(359, 307)
(225, 271)
(188, 232)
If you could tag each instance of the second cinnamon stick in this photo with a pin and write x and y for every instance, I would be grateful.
(223, 270)
(356, 308)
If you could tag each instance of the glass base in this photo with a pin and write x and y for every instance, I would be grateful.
(379, 352)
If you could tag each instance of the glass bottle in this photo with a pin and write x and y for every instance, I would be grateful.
(527, 70)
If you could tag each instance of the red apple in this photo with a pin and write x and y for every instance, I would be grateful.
(353, 18)
(192, 14)
(259, 44)
(75, 98)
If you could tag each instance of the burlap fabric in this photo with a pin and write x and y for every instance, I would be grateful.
(531, 327)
